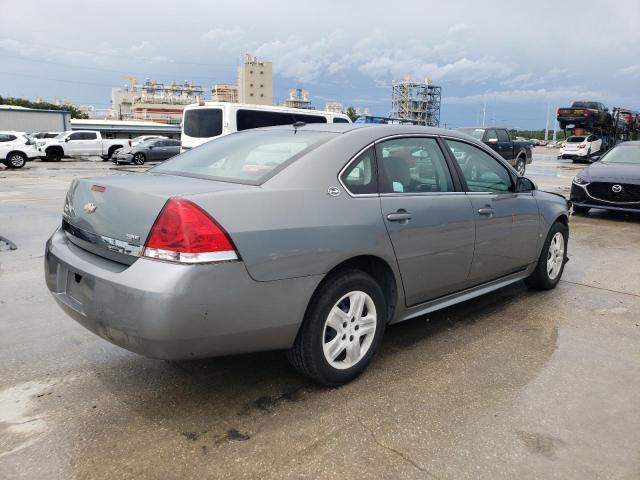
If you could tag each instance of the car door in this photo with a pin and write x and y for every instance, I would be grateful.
(490, 138)
(507, 222)
(428, 218)
(74, 144)
(505, 145)
(173, 148)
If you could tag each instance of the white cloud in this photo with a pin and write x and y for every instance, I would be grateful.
(458, 28)
(632, 71)
(524, 96)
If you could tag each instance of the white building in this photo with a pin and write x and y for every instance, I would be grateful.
(255, 81)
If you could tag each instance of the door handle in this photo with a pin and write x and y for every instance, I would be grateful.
(486, 211)
(399, 216)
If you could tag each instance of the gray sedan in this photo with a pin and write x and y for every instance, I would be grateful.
(154, 150)
(305, 238)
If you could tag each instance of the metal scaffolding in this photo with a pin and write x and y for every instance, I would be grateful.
(416, 101)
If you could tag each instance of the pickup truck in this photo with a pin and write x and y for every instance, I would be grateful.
(77, 143)
(584, 114)
(518, 154)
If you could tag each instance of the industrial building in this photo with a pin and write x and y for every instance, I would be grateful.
(298, 98)
(31, 120)
(255, 81)
(416, 101)
(334, 107)
(224, 93)
(153, 101)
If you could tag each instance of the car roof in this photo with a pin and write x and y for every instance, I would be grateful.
(381, 129)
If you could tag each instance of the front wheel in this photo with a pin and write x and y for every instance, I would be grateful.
(552, 259)
(342, 329)
(16, 160)
(53, 155)
(139, 159)
(521, 166)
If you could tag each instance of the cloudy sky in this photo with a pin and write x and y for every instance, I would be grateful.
(521, 59)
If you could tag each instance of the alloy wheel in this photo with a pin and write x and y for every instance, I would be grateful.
(349, 330)
(555, 255)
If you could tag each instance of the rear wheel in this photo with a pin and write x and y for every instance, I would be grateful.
(16, 160)
(552, 259)
(521, 166)
(139, 158)
(342, 329)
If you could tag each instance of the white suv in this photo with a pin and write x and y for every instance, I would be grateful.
(580, 147)
(16, 148)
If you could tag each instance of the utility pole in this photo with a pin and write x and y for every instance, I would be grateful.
(554, 127)
(484, 107)
(546, 128)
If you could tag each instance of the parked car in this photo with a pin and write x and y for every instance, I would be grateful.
(611, 183)
(154, 150)
(143, 138)
(15, 149)
(310, 239)
(517, 153)
(78, 143)
(40, 135)
(580, 147)
(584, 114)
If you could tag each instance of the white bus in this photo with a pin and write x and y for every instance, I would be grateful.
(207, 120)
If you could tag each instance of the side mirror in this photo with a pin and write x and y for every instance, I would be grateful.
(492, 140)
(595, 158)
(523, 184)
(151, 147)
(66, 139)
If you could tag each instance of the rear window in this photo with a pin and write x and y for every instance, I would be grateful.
(247, 119)
(203, 122)
(247, 157)
(575, 139)
(592, 105)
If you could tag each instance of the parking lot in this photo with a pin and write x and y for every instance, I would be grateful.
(515, 384)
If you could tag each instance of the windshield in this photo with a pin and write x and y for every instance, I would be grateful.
(246, 157)
(575, 139)
(629, 154)
(60, 136)
(476, 133)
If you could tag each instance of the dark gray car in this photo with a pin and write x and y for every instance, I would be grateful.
(310, 239)
(155, 150)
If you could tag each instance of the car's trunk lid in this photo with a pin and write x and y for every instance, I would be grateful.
(112, 216)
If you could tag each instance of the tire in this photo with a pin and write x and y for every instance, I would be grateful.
(581, 210)
(139, 158)
(547, 276)
(16, 160)
(521, 166)
(54, 155)
(332, 306)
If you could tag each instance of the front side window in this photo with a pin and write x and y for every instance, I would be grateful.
(413, 165)
(76, 136)
(203, 122)
(491, 135)
(360, 177)
(245, 157)
(482, 172)
(247, 119)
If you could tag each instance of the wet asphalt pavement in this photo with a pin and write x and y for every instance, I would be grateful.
(515, 384)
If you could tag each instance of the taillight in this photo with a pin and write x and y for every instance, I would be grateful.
(585, 114)
(184, 233)
(582, 145)
(129, 142)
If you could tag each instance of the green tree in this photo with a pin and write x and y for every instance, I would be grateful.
(351, 113)
(22, 102)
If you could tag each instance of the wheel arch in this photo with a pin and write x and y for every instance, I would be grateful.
(113, 148)
(381, 272)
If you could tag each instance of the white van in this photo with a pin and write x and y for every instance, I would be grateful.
(207, 120)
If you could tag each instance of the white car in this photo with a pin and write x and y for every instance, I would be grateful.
(78, 143)
(16, 148)
(580, 147)
(143, 138)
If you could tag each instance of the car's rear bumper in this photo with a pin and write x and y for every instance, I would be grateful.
(172, 311)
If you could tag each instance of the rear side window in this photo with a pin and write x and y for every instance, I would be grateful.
(203, 122)
(247, 119)
(503, 136)
(413, 165)
(7, 138)
(246, 157)
(340, 120)
(89, 136)
(360, 177)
